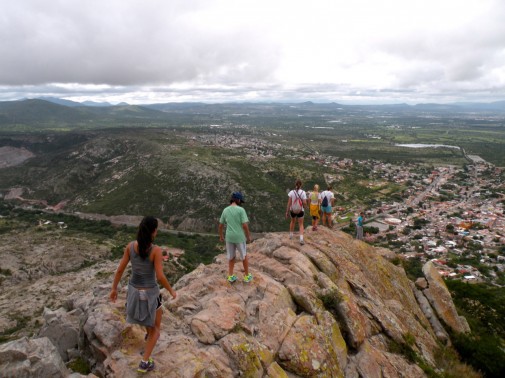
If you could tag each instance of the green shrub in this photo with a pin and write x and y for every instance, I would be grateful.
(484, 308)
(5, 272)
(484, 352)
(413, 268)
(79, 365)
(405, 349)
(330, 301)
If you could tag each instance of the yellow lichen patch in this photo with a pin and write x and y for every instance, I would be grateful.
(119, 314)
(132, 339)
(275, 371)
(249, 361)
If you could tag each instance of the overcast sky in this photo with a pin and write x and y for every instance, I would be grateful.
(349, 51)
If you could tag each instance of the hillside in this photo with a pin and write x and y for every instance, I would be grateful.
(51, 115)
(40, 114)
(332, 308)
(173, 174)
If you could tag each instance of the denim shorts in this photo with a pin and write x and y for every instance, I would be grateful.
(326, 209)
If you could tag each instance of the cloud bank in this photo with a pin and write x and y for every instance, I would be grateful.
(214, 51)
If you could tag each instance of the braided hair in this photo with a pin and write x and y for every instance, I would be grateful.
(145, 235)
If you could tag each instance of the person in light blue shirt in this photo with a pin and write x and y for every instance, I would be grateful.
(359, 226)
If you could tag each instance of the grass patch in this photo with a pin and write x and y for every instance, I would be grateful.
(21, 323)
(331, 301)
(5, 272)
(447, 361)
(79, 365)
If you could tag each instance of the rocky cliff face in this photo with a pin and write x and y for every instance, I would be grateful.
(334, 307)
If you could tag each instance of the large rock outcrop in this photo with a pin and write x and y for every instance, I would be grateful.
(330, 308)
(334, 307)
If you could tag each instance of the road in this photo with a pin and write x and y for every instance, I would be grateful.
(420, 197)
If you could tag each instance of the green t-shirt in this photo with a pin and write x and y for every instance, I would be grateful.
(234, 217)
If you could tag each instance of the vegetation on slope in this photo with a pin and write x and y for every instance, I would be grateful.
(484, 308)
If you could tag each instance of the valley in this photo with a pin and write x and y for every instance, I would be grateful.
(185, 161)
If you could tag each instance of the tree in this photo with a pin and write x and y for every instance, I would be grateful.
(419, 223)
(406, 230)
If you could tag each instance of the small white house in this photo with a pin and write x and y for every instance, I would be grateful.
(450, 244)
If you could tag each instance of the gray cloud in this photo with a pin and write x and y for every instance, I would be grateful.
(125, 43)
(459, 55)
(200, 50)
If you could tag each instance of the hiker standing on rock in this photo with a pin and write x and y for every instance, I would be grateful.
(237, 234)
(315, 206)
(359, 226)
(327, 201)
(144, 301)
(297, 200)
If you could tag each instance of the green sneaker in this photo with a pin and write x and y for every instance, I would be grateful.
(248, 278)
(232, 278)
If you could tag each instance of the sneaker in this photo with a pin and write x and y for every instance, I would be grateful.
(248, 278)
(302, 242)
(144, 367)
(232, 278)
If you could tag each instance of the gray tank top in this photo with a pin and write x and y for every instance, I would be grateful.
(143, 274)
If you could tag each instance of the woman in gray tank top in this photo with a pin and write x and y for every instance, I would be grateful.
(144, 305)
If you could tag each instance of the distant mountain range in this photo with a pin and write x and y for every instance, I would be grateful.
(56, 112)
(463, 106)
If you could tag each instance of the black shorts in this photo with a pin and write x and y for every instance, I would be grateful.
(160, 302)
(299, 215)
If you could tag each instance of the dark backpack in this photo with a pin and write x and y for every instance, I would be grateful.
(325, 202)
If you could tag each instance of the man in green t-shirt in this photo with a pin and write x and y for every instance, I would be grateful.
(237, 234)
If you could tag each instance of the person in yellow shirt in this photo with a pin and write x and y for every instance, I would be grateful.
(315, 206)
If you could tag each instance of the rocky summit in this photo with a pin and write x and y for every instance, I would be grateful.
(334, 307)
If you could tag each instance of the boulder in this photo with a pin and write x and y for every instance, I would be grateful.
(31, 358)
(62, 328)
(251, 358)
(440, 299)
(308, 351)
(421, 283)
(427, 310)
(372, 362)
